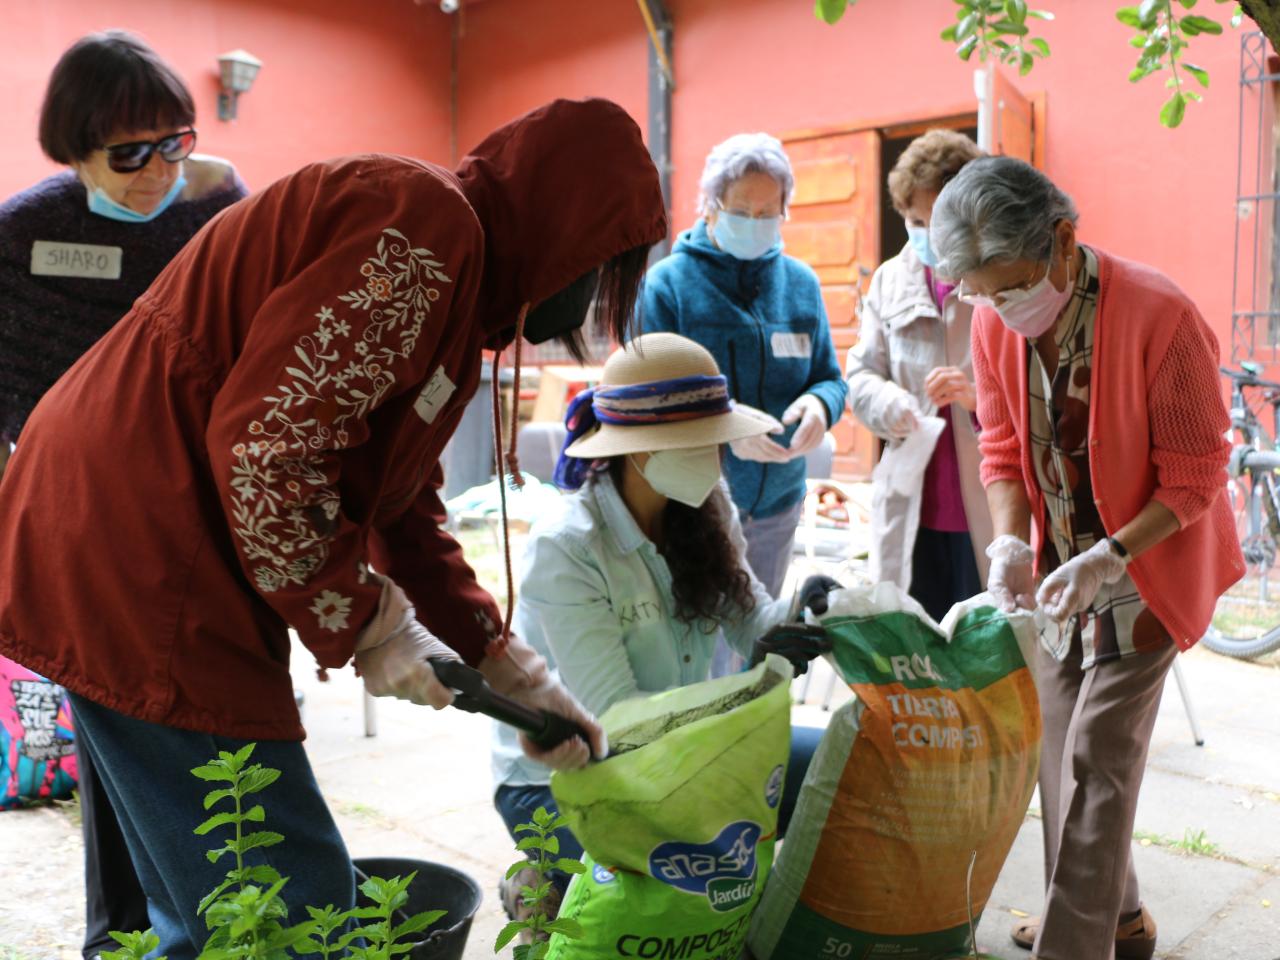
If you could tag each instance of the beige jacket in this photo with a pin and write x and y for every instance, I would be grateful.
(903, 339)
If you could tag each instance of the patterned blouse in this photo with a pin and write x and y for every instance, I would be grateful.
(1118, 623)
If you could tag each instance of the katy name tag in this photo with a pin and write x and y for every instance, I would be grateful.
(52, 258)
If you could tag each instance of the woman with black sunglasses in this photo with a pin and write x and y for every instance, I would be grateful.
(76, 250)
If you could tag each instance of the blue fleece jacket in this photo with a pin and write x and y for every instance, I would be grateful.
(764, 322)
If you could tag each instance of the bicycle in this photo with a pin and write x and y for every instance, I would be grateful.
(1246, 623)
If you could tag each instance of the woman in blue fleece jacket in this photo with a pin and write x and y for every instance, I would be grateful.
(729, 286)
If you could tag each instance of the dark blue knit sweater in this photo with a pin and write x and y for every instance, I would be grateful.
(48, 322)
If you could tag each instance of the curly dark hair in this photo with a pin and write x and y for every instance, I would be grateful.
(708, 578)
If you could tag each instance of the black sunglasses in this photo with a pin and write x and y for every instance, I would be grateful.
(128, 157)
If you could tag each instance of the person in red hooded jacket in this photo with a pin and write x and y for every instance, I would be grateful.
(256, 446)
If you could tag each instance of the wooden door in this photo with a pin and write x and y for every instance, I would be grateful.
(1010, 123)
(835, 228)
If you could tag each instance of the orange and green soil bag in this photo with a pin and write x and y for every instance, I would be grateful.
(935, 758)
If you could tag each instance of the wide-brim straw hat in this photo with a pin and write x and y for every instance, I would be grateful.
(666, 356)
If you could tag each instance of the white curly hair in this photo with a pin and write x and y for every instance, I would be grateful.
(741, 154)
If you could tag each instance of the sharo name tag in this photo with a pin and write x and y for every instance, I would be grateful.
(53, 258)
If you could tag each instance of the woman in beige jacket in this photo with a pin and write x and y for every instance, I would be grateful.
(911, 383)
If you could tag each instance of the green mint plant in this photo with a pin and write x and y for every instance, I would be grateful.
(541, 849)
(246, 914)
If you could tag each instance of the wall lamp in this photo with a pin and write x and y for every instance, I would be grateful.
(237, 70)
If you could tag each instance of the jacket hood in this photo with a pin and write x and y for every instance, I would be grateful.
(558, 191)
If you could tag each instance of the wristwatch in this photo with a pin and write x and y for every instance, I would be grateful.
(1121, 551)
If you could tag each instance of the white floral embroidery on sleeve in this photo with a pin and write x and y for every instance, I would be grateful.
(331, 610)
(283, 507)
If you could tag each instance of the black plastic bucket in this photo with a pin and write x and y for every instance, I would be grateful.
(436, 887)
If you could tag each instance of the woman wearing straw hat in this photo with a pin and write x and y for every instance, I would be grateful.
(627, 590)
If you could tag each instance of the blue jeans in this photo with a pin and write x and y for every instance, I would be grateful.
(770, 543)
(516, 804)
(146, 771)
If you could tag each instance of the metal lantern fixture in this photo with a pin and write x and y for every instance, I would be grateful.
(237, 70)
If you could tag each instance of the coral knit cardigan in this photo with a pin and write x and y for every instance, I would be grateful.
(1156, 431)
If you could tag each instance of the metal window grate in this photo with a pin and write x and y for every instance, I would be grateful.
(1255, 283)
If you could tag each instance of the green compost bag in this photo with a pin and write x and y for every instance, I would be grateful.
(679, 822)
(917, 790)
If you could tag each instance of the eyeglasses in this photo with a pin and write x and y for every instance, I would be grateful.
(1006, 297)
(128, 157)
(749, 215)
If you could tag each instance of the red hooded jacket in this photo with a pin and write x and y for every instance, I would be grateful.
(268, 420)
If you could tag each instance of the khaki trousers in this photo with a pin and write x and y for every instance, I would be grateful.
(1097, 727)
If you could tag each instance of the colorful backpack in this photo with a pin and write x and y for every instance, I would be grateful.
(37, 738)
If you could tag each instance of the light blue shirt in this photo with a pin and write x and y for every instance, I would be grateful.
(595, 599)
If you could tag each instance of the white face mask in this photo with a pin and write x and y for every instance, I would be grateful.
(1031, 312)
(687, 475)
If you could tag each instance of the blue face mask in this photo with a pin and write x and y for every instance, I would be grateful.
(104, 206)
(919, 237)
(747, 238)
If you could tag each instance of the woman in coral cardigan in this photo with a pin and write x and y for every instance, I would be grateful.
(1104, 463)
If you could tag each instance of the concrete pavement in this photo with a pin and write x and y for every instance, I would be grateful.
(421, 788)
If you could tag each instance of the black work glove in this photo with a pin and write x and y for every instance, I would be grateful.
(798, 642)
(813, 594)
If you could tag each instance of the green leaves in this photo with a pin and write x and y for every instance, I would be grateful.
(133, 946)
(830, 11)
(1200, 73)
(509, 932)
(997, 30)
(1129, 17)
(542, 847)
(1149, 13)
(1171, 113)
(258, 778)
(246, 914)
(1193, 25)
(1162, 36)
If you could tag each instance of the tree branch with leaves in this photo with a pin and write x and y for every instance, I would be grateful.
(998, 31)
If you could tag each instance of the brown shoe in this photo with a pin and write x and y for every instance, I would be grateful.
(1135, 937)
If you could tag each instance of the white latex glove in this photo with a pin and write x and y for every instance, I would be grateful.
(1071, 588)
(811, 413)
(901, 415)
(1011, 581)
(761, 449)
(522, 674)
(397, 666)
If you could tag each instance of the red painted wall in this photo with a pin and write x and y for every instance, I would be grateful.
(342, 76)
(1164, 197)
(514, 55)
(338, 77)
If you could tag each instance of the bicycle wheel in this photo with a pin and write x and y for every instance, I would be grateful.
(1246, 622)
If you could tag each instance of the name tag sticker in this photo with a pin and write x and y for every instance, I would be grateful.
(791, 346)
(53, 258)
(434, 396)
